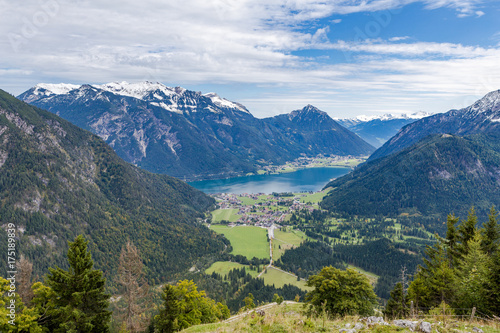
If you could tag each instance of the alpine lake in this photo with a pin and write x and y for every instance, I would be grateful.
(303, 180)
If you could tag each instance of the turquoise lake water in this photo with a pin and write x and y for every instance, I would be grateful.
(313, 179)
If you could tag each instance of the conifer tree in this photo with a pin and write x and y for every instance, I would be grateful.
(467, 230)
(451, 240)
(80, 301)
(397, 306)
(493, 284)
(472, 277)
(438, 275)
(490, 233)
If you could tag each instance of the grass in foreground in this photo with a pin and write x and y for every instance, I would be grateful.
(247, 241)
(290, 318)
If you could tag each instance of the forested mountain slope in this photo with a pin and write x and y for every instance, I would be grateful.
(58, 181)
(440, 174)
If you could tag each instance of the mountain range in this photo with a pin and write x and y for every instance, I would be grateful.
(58, 181)
(376, 130)
(481, 117)
(438, 165)
(192, 135)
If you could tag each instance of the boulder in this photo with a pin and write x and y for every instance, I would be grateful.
(359, 326)
(477, 330)
(425, 327)
(405, 324)
(374, 320)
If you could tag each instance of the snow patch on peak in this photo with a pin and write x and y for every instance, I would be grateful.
(137, 90)
(54, 89)
(490, 102)
(222, 102)
(388, 116)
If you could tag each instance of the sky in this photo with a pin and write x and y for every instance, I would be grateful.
(346, 57)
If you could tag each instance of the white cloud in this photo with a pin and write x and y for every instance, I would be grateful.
(398, 39)
(225, 41)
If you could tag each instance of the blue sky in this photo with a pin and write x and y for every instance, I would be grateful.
(347, 57)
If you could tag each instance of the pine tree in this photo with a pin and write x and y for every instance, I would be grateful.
(438, 275)
(397, 306)
(80, 300)
(467, 230)
(472, 277)
(167, 319)
(131, 277)
(493, 284)
(490, 233)
(451, 240)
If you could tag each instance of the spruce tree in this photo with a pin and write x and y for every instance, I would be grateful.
(490, 233)
(80, 301)
(472, 277)
(451, 240)
(397, 306)
(467, 230)
(493, 285)
(438, 275)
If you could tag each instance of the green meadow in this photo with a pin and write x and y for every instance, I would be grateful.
(247, 241)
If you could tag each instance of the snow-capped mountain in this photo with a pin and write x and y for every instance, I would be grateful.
(481, 117)
(171, 99)
(376, 130)
(192, 135)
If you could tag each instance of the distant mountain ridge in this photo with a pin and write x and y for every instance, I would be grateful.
(439, 175)
(481, 117)
(192, 135)
(376, 130)
(440, 164)
(58, 181)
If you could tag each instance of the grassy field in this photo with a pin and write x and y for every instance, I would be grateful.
(225, 214)
(279, 279)
(223, 267)
(286, 240)
(314, 198)
(247, 241)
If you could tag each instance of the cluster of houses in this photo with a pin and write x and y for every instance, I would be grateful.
(262, 214)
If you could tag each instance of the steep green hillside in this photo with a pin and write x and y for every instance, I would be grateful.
(57, 181)
(439, 175)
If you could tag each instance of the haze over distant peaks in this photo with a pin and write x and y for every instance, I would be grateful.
(376, 130)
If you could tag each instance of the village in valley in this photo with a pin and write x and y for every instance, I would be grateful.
(262, 210)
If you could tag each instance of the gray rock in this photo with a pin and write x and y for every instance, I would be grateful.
(425, 327)
(477, 330)
(345, 330)
(359, 326)
(374, 320)
(348, 325)
(405, 324)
